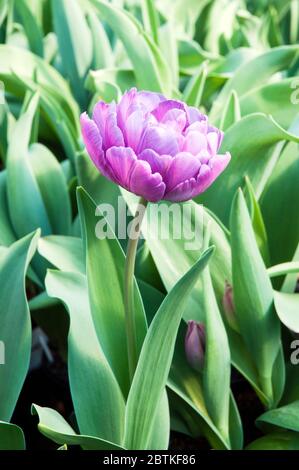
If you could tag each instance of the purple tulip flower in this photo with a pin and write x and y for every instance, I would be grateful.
(195, 343)
(154, 147)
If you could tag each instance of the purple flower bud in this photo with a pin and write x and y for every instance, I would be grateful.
(154, 147)
(195, 342)
(229, 307)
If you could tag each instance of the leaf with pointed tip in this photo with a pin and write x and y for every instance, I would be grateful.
(155, 360)
(11, 437)
(253, 296)
(287, 308)
(65, 253)
(100, 406)
(105, 262)
(231, 113)
(14, 320)
(149, 65)
(53, 425)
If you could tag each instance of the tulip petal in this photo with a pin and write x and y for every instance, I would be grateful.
(161, 139)
(93, 142)
(121, 161)
(158, 163)
(195, 142)
(165, 107)
(105, 118)
(134, 175)
(144, 183)
(182, 192)
(133, 129)
(208, 173)
(182, 167)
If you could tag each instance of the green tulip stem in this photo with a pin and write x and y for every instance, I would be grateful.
(129, 288)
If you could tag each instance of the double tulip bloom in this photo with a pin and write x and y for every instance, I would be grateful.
(154, 147)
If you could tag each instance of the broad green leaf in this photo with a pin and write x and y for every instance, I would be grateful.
(169, 49)
(253, 296)
(16, 62)
(105, 262)
(14, 317)
(191, 56)
(279, 204)
(102, 51)
(250, 142)
(231, 113)
(257, 221)
(184, 382)
(53, 425)
(31, 27)
(7, 235)
(41, 301)
(11, 437)
(150, 19)
(194, 90)
(26, 207)
(216, 373)
(171, 268)
(104, 81)
(287, 308)
(65, 253)
(290, 282)
(53, 188)
(75, 43)
(284, 417)
(226, 9)
(155, 360)
(149, 65)
(274, 99)
(254, 72)
(100, 406)
(283, 269)
(276, 441)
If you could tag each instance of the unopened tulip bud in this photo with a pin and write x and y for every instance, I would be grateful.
(229, 307)
(195, 341)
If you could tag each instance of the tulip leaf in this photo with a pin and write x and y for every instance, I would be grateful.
(194, 90)
(274, 99)
(284, 268)
(7, 235)
(216, 374)
(65, 253)
(105, 256)
(28, 66)
(284, 417)
(287, 308)
(53, 188)
(253, 72)
(15, 317)
(187, 248)
(150, 19)
(26, 207)
(53, 425)
(149, 65)
(155, 360)
(31, 27)
(99, 407)
(278, 210)
(11, 437)
(75, 43)
(231, 112)
(276, 441)
(253, 296)
(250, 142)
(257, 221)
